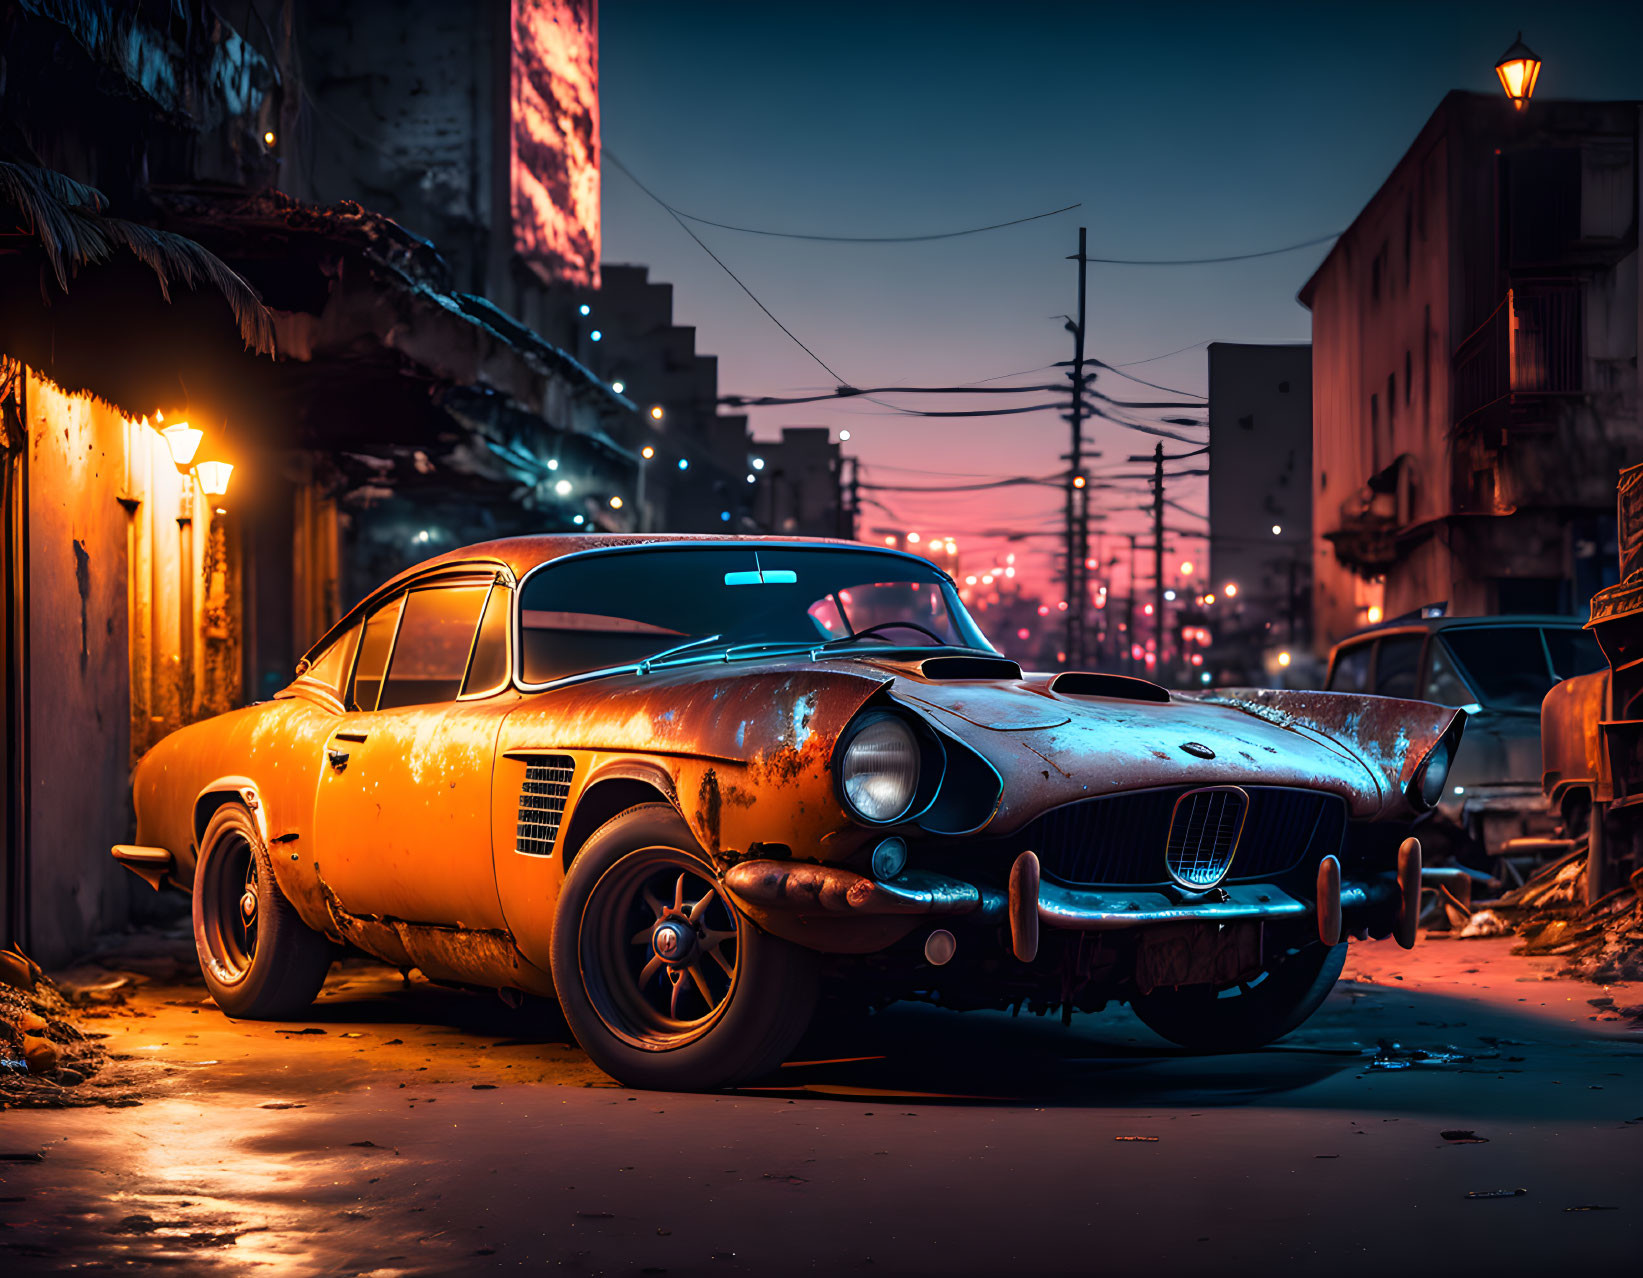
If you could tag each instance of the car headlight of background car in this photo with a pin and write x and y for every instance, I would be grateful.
(879, 768)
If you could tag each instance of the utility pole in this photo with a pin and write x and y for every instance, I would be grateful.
(1129, 613)
(847, 499)
(1160, 630)
(1078, 493)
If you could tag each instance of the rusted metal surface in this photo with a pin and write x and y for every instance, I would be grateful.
(410, 847)
(1024, 884)
(1571, 740)
(1197, 954)
(831, 889)
(1409, 892)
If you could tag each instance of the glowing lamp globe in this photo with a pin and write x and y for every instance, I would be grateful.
(1518, 70)
(214, 476)
(183, 441)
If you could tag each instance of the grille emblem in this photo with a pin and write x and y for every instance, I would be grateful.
(1197, 751)
(1203, 835)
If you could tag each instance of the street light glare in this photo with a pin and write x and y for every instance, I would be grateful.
(1283, 658)
(656, 412)
(616, 503)
(1230, 590)
(618, 387)
(1518, 70)
(562, 488)
(647, 452)
(844, 434)
(584, 309)
(1277, 530)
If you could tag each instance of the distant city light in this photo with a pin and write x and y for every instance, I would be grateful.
(562, 488)
(647, 452)
(1008, 572)
(1375, 615)
(578, 520)
(1043, 610)
(758, 463)
(752, 478)
(1022, 633)
(596, 336)
(584, 309)
(1061, 605)
(913, 539)
(987, 579)
(1209, 599)
(1277, 530)
(553, 463)
(1230, 590)
(1197, 658)
(1169, 595)
(616, 503)
(1078, 481)
(844, 434)
(268, 138)
(1204, 677)
(684, 463)
(423, 535)
(618, 387)
(889, 541)
(1283, 658)
(1186, 567)
(724, 516)
(970, 581)
(656, 412)
(1147, 610)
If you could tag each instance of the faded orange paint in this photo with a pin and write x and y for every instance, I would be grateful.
(408, 847)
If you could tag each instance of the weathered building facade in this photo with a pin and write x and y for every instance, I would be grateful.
(375, 409)
(1475, 372)
(1260, 504)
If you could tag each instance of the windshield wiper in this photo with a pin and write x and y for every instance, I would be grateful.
(644, 666)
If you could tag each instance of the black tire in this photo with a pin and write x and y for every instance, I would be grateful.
(260, 961)
(1249, 1014)
(699, 1020)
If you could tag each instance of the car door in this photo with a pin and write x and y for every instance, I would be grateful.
(402, 814)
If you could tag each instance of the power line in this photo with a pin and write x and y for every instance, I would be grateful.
(1130, 377)
(1153, 359)
(851, 392)
(833, 239)
(1209, 261)
(686, 228)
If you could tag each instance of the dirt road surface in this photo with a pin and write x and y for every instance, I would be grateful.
(406, 1129)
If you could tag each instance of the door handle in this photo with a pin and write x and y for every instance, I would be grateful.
(338, 759)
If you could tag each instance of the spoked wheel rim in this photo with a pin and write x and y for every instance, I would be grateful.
(232, 896)
(660, 948)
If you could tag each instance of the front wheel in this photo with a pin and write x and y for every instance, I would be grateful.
(663, 981)
(260, 961)
(1246, 1014)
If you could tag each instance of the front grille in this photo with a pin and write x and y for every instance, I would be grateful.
(1203, 835)
(542, 803)
(1121, 839)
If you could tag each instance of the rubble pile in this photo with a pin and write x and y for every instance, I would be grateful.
(1603, 941)
(44, 1055)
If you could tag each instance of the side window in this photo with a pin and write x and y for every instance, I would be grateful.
(377, 639)
(436, 638)
(331, 666)
(1397, 667)
(1351, 672)
(488, 668)
(1443, 682)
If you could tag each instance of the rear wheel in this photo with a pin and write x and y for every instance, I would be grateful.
(663, 981)
(260, 961)
(1245, 1014)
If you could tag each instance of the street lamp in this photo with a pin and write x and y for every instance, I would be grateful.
(184, 441)
(1518, 70)
(214, 476)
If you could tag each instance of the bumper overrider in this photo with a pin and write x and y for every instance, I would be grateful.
(1032, 903)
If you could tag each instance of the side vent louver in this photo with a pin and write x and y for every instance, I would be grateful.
(542, 802)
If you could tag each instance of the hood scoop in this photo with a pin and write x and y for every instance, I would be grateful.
(941, 668)
(1084, 683)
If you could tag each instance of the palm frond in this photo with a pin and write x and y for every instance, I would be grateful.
(67, 219)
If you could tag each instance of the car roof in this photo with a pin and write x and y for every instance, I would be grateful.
(519, 555)
(1433, 625)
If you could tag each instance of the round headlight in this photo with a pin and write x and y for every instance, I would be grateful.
(1434, 774)
(879, 770)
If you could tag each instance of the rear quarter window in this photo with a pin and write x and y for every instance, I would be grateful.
(1350, 672)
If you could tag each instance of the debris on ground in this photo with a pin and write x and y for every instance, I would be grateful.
(1497, 1193)
(45, 1056)
(1396, 1056)
(1602, 942)
(1485, 923)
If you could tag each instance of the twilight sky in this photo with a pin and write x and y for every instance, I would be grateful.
(1185, 130)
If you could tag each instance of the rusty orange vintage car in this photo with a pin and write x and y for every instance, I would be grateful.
(682, 783)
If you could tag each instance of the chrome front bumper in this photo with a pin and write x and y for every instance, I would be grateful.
(830, 890)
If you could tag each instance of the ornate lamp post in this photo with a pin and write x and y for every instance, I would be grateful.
(1518, 70)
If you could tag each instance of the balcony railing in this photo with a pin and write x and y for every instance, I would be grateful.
(1531, 345)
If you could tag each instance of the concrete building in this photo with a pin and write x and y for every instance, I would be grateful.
(1475, 372)
(373, 410)
(1260, 505)
(800, 484)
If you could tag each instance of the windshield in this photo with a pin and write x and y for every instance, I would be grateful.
(615, 608)
(1514, 667)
